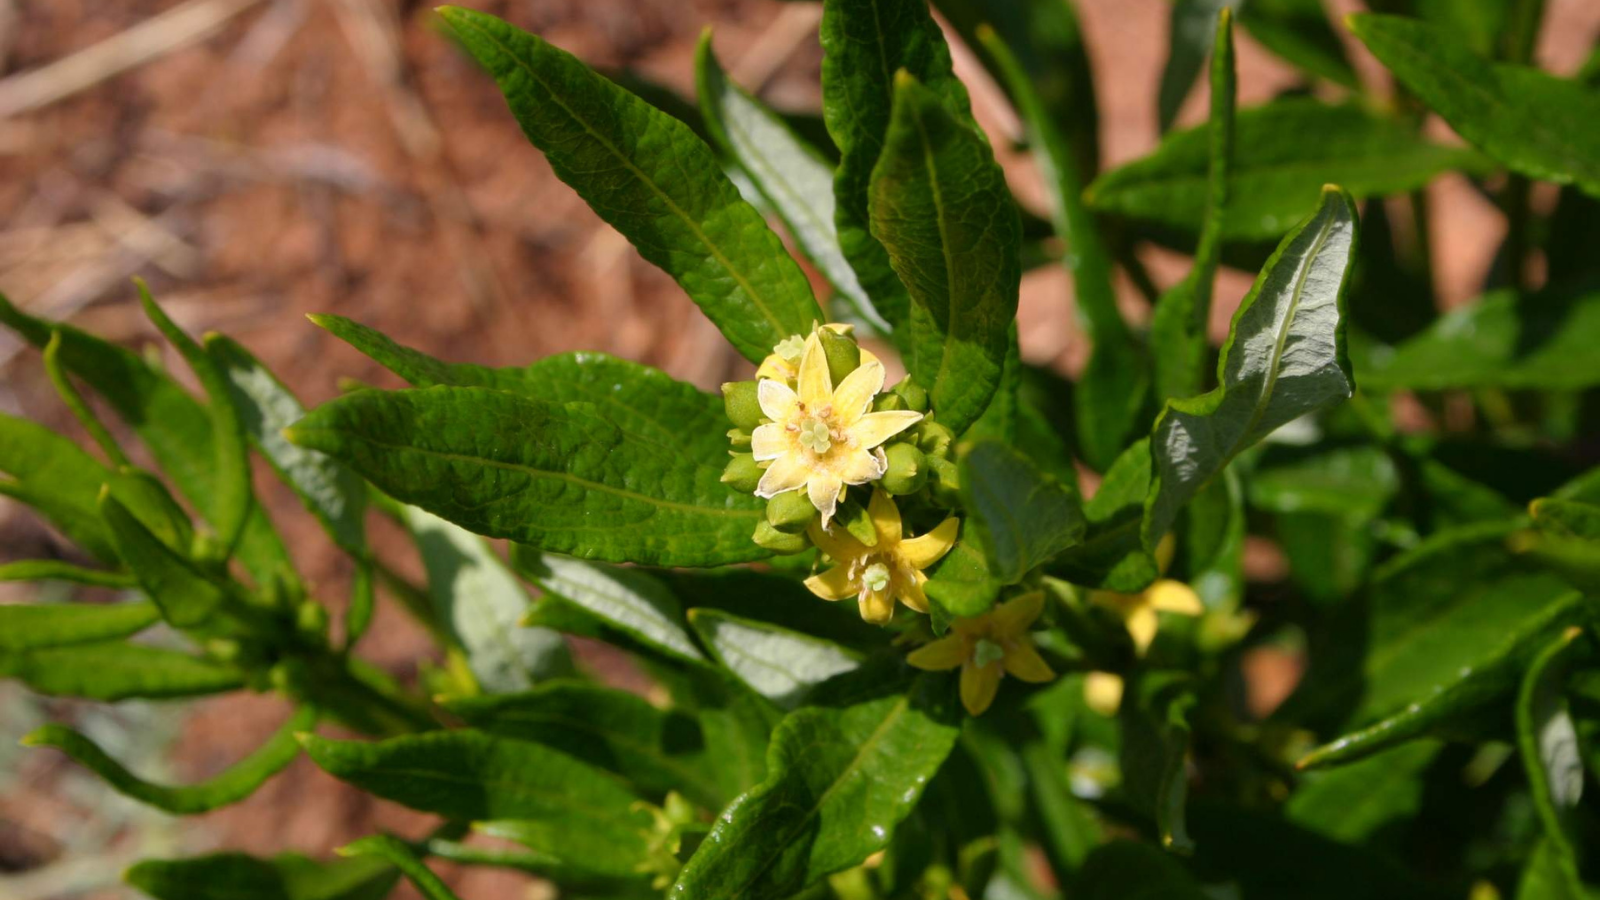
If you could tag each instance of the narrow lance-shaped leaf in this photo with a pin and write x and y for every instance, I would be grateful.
(334, 494)
(777, 663)
(1285, 357)
(30, 627)
(117, 671)
(864, 43)
(793, 177)
(1535, 123)
(235, 876)
(1021, 516)
(1112, 391)
(233, 785)
(841, 776)
(1299, 31)
(652, 179)
(1189, 30)
(400, 855)
(55, 476)
(1155, 745)
(941, 208)
(557, 476)
(186, 596)
(1180, 325)
(633, 603)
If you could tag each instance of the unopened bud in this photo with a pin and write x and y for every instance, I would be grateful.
(843, 353)
(790, 512)
(740, 400)
(915, 396)
(907, 471)
(934, 439)
(778, 542)
(945, 481)
(888, 401)
(742, 473)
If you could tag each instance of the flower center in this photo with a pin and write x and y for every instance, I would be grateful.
(986, 651)
(790, 348)
(814, 436)
(876, 577)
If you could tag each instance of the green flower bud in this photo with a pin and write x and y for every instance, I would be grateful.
(915, 396)
(790, 512)
(856, 520)
(738, 438)
(742, 473)
(778, 542)
(843, 353)
(311, 618)
(744, 409)
(908, 469)
(290, 677)
(888, 401)
(945, 481)
(935, 439)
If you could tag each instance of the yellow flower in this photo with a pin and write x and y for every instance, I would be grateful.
(783, 363)
(822, 437)
(987, 647)
(878, 575)
(1141, 611)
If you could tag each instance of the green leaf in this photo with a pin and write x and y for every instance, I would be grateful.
(961, 584)
(147, 499)
(1355, 804)
(1155, 744)
(1121, 870)
(841, 776)
(1022, 517)
(1285, 151)
(482, 604)
(1299, 31)
(231, 786)
(941, 208)
(28, 627)
(777, 663)
(1549, 876)
(170, 422)
(1548, 742)
(235, 876)
(656, 750)
(1544, 341)
(1189, 32)
(1436, 646)
(186, 596)
(400, 855)
(864, 43)
(1285, 357)
(115, 671)
(795, 179)
(773, 598)
(1181, 322)
(652, 179)
(1535, 123)
(332, 493)
(56, 477)
(633, 603)
(1111, 555)
(55, 570)
(550, 801)
(1112, 390)
(557, 476)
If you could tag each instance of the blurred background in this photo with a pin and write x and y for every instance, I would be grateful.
(256, 160)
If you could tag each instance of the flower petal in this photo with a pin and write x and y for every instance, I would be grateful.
(777, 368)
(824, 489)
(945, 653)
(786, 473)
(777, 400)
(833, 584)
(853, 396)
(873, 429)
(858, 466)
(911, 593)
(885, 517)
(1142, 623)
(877, 607)
(1023, 661)
(815, 385)
(1102, 692)
(924, 550)
(979, 684)
(1174, 597)
(769, 441)
(1013, 617)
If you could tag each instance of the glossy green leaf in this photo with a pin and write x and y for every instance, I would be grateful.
(864, 43)
(633, 603)
(1285, 357)
(941, 208)
(235, 876)
(961, 584)
(1356, 803)
(1299, 31)
(334, 494)
(1439, 641)
(55, 476)
(1285, 151)
(1111, 555)
(774, 598)
(235, 784)
(30, 627)
(1022, 517)
(1545, 341)
(175, 426)
(147, 499)
(116, 671)
(656, 750)
(400, 855)
(1190, 27)
(777, 663)
(1111, 392)
(482, 604)
(550, 801)
(558, 476)
(795, 179)
(841, 776)
(1180, 325)
(1535, 123)
(652, 179)
(1548, 742)
(1155, 744)
(186, 596)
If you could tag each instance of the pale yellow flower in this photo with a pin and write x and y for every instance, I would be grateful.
(988, 647)
(890, 570)
(783, 363)
(822, 437)
(1141, 611)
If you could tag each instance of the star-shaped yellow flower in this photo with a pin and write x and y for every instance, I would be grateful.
(987, 647)
(877, 576)
(1141, 611)
(822, 437)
